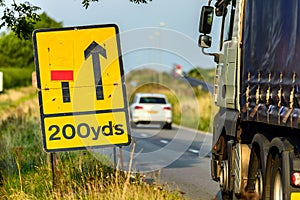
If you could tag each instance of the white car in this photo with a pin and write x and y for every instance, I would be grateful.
(151, 108)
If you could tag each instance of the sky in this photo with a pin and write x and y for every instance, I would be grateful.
(158, 35)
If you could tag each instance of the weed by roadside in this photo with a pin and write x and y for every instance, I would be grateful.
(26, 173)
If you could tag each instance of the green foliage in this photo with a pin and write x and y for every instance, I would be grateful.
(206, 75)
(20, 140)
(20, 18)
(204, 124)
(15, 52)
(18, 53)
(140, 1)
(47, 22)
(16, 77)
(86, 3)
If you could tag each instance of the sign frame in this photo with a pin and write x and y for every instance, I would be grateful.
(56, 75)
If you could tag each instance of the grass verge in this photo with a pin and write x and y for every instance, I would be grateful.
(25, 172)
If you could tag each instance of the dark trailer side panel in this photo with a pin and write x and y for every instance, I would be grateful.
(271, 62)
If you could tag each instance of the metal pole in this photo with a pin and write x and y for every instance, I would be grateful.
(115, 158)
(121, 159)
(53, 168)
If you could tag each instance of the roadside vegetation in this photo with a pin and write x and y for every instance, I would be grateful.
(16, 55)
(206, 75)
(192, 107)
(16, 77)
(25, 171)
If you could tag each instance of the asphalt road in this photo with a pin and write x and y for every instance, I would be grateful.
(194, 82)
(179, 158)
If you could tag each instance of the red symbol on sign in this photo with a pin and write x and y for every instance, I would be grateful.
(63, 75)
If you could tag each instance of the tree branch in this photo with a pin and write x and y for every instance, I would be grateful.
(20, 18)
(140, 1)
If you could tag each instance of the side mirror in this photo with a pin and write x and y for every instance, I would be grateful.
(206, 19)
(204, 41)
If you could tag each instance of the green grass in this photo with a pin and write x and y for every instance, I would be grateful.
(25, 172)
(25, 94)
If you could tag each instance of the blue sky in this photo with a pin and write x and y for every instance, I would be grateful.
(159, 34)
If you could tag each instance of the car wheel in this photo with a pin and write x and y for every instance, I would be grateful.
(133, 125)
(167, 126)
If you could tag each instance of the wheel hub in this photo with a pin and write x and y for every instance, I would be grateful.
(278, 194)
(224, 176)
(259, 184)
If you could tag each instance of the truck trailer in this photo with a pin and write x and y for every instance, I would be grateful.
(256, 133)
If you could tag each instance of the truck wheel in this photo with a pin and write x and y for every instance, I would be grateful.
(255, 178)
(276, 180)
(259, 184)
(226, 196)
(224, 176)
(224, 182)
(223, 196)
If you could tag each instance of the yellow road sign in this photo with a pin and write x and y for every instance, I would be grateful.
(81, 87)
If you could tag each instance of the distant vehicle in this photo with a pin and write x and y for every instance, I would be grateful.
(177, 71)
(151, 108)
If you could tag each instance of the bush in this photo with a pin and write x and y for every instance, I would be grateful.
(16, 77)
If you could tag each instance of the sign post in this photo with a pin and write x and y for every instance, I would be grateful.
(81, 88)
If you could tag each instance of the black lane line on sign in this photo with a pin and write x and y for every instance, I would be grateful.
(95, 50)
(92, 112)
(66, 92)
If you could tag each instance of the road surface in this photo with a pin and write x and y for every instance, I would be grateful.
(179, 158)
(194, 82)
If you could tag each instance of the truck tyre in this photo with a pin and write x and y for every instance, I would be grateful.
(259, 184)
(223, 196)
(226, 196)
(276, 186)
(255, 177)
(224, 176)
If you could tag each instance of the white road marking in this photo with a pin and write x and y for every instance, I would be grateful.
(164, 141)
(193, 150)
(144, 135)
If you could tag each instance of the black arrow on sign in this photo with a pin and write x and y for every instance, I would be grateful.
(96, 50)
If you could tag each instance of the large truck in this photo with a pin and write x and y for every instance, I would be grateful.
(256, 134)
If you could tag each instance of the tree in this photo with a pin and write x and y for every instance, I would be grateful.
(15, 52)
(21, 17)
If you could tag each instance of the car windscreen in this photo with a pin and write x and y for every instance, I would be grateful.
(154, 100)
